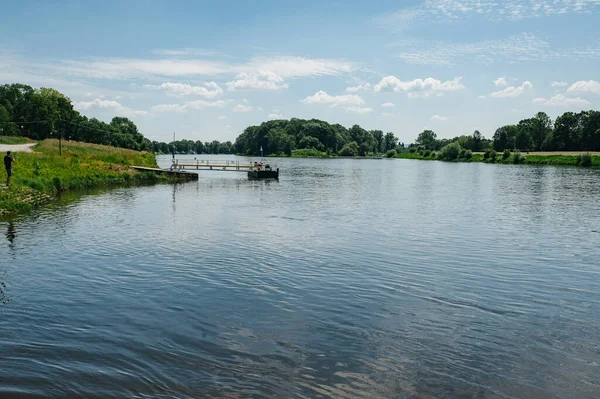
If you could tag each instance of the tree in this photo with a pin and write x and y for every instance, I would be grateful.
(310, 142)
(504, 138)
(427, 138)
(541, 126)
(390, 142)
(350, 149)
(477, 141)
(378, 136)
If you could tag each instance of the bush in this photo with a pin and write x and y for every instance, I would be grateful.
(350, 150)
(518, 158)
(412, 150)
(390, 154)
(450, 151)
(490, 155)
(468, 154)
(433, 154)
(421, 148)
(427, 153)
(506, 154)
(584, 159)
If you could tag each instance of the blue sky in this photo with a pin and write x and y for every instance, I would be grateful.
(206, 70)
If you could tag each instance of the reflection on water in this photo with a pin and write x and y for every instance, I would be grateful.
(346, 278)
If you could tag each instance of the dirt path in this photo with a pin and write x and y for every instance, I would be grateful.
(16, 148)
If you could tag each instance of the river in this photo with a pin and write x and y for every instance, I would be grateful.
(345, 278)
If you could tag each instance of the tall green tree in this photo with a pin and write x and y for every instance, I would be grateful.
(427, 138)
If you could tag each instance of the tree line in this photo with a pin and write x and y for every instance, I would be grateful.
(569, 132)
(46, 113)
(282, 137)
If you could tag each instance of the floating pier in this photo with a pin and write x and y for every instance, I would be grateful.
(255, 170)
(180, 174)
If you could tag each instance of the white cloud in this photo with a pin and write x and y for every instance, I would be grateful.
(501, 81)
(198, 104)
(359, 110)
(388, 105)
(559, 84)
(354, 89)
(386, 114)
(590, 86)
(146, 68)
(439, 118)
(321, 97)
(242, 108)
(275, 115)
(263, 80)
(449, 11)
(517, 48)
(294, 67)
(185, 52)
(418, 87)
(222, 118)
(209, 90)
(513, 91)
(560, 100)
(107, 104)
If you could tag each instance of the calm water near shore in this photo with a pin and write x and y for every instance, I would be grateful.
(345, 278)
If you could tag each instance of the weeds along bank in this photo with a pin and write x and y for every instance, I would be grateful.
(39, 176)
(583, 159)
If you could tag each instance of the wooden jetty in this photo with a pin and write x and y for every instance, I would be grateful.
(180, 174)
(256, 170)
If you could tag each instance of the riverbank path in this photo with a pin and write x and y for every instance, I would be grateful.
(16, 147)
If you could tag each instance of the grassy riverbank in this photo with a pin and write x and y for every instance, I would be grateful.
(533, 158)
(39, 176)
(14, 140)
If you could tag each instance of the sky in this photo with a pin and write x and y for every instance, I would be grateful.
(205, 70)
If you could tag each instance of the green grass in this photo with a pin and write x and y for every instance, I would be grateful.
(41, 175)
(558, 160)
(309, 153)
(13, 140)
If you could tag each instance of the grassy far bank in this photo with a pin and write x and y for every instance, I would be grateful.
(39, 176)
(567, 158)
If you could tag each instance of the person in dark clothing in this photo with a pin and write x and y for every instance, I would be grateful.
(8, 161)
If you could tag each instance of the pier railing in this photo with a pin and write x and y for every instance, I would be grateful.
(213, 164)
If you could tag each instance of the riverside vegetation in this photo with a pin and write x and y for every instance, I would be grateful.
(46, 113)
(41, 175)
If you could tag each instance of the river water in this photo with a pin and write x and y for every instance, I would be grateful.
(345, 278)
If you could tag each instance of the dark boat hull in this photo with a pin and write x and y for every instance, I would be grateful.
(263, 174)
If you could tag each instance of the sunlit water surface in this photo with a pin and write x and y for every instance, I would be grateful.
(345, 278)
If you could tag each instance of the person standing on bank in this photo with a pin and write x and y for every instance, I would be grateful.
(8, 161)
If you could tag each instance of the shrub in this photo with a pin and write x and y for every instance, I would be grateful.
(506, 154)
(433, 154)
(421, 148)
(412, 150)
(390, 154)
(350, 150)
(490, 155)
(584, 159)
(466, 154)
(450, 151)
(517, 157)
(427, 153)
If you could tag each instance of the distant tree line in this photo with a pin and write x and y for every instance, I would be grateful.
(46, 113)
(282, 137)
(569, 132)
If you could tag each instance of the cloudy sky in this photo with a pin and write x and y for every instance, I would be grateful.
(206, 70)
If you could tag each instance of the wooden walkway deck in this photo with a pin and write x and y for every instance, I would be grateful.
(182, 174)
